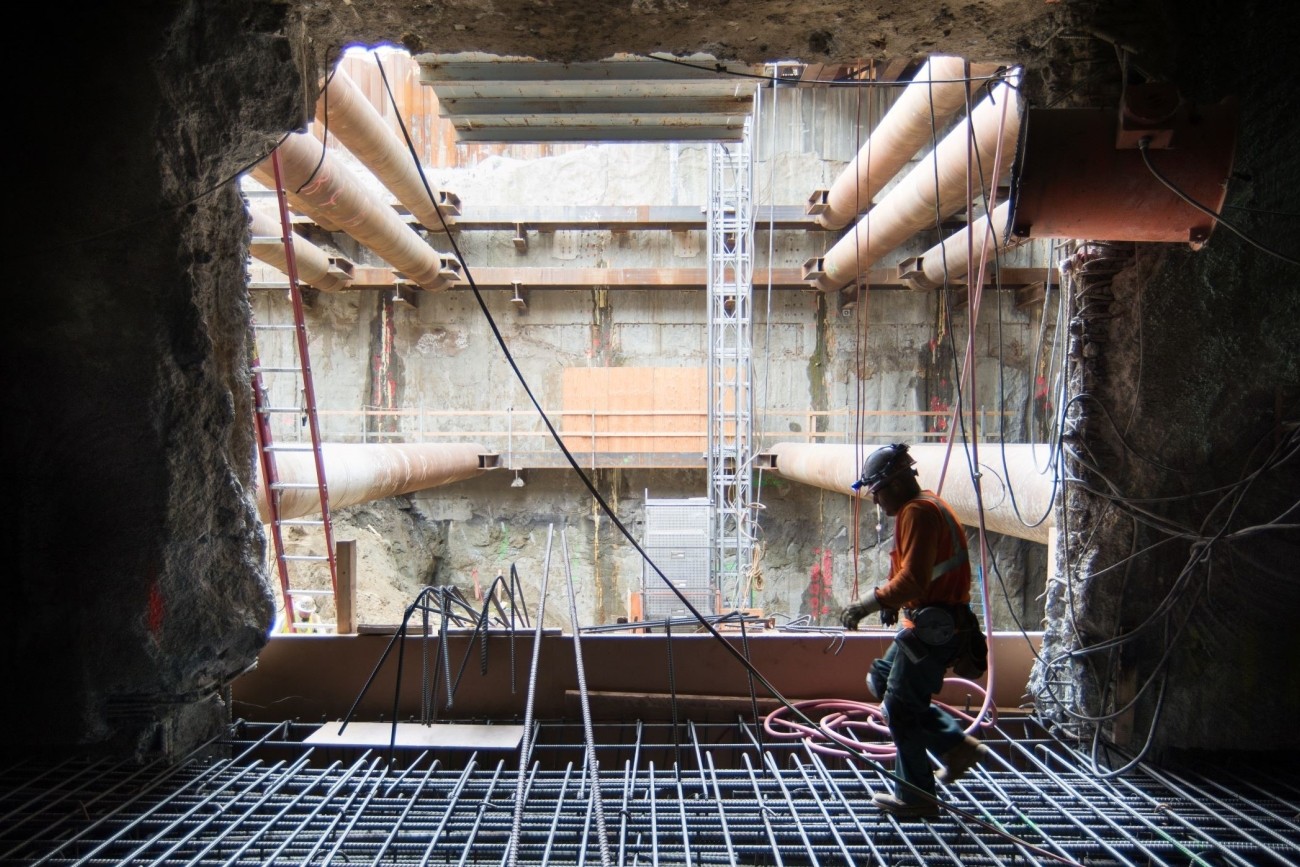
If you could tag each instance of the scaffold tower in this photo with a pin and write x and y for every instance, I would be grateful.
(730, 426)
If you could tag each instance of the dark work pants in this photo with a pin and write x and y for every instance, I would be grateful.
(914, 723)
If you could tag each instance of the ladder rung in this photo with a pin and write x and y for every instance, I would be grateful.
(289, 447)
(294, 409)
(278, 369)
(275, 327)
(302, 522)
(294, 486)
(314, 558)
(307, 592)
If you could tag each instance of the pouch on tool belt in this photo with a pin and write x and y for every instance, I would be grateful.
(912, 646)
(932, 626)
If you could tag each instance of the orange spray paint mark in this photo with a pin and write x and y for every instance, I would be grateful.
(155, 609)
(819, 584)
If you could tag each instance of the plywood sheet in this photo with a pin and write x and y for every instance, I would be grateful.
(634, 409)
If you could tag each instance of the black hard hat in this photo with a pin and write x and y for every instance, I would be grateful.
(882, 465)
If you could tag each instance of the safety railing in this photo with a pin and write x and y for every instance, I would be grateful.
(635, 438)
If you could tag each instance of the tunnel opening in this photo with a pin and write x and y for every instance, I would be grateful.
(147, 661)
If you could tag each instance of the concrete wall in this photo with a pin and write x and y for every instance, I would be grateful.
(892, 350)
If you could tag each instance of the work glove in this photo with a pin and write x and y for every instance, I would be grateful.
(888, 616)
(858, 610)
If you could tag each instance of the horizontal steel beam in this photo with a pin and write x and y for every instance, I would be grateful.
(438, 70)
(600, 133)
(364, 278)
(630, 108)
(617, 218)
(795, 663)
(621, 218)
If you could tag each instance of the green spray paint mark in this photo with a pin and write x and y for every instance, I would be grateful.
(504, 548)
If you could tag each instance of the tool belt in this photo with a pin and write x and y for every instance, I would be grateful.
(936, 625)
(971, 658)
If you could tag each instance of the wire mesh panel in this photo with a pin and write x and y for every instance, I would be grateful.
(677, 541)
(721, 797)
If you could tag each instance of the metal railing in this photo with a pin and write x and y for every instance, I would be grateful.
(639, 438)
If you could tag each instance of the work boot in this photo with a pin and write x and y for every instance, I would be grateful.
(902, 809)
(960, 759)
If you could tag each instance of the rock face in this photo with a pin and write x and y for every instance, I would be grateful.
(135, 584)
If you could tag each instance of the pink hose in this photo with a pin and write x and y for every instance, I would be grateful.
(855, 728)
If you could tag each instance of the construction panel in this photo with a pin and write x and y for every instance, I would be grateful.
(679, 395)
(634, 410)
(676, 539)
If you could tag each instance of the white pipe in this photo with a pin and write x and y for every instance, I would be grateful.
(344, 110)
(328, 191)
(950, 260)
(937, 90)
(936, 188)
(837, 467)
(314, 266)
(360, 472)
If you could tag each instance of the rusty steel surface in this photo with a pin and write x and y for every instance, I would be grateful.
(1075, 183)
(344, 110)
(330, 193)
(1014, 493)
(937, 90)
(361, 472)
(288, 681)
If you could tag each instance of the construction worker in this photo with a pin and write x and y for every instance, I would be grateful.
(930, 583)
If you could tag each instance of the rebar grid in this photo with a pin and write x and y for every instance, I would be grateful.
(273, 801)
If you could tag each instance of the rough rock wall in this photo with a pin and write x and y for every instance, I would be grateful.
(1180, 535)
(754, 31)
(135, 588)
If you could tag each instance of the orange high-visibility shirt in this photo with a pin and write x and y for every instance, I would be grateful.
(923, 538)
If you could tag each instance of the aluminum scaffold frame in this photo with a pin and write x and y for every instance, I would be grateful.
(731, 411)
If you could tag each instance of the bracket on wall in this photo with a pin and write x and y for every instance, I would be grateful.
(520, 298)
(448, 205)
(814, 269)
(817, 202)
(847, 299)
(450, 269)
(1030, 295)
(520, 240)
(406, 292)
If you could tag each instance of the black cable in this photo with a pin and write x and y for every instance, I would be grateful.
(559, 441)
(325, 132)
(609, 511)
(1288, 214)
(1144, 145)
(1200, 551)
